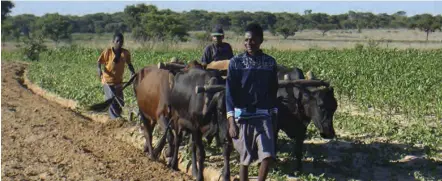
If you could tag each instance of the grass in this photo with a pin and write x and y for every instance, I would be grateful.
(304, 40)
(368, 148)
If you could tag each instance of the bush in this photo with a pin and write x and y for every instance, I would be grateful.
(359, 47)
(32, 48)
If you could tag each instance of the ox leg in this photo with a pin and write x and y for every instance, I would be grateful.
(170, 140)
(299, 148)
(202, 155)
(194, 164)
(162, 140)
(174, 162)
(147, 131)
(226, 154)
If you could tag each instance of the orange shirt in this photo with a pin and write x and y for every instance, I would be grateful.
(113, 72)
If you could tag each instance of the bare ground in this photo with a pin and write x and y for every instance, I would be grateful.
(42, 140)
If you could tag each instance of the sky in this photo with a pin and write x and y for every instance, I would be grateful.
(40, 8)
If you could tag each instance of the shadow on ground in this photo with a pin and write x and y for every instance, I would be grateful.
(348, 159)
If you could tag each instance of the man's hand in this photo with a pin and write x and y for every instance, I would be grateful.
(233, 128)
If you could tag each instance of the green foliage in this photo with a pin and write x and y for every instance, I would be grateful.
(324, 28)
(285, 26)
(405, 80)
(134, 12)
(426, 23)
(131, 20)
(198, 20)
(359, 47)
(164, 27)
(18, 26)
(6, 8)
(32, 47)
(55, 27)
(203, 38)
(148, 23)
(239, 21)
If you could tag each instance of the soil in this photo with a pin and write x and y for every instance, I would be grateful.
(41, 140)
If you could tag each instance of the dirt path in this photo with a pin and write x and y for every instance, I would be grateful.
(42, 140)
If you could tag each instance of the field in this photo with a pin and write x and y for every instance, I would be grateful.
(389, 119)
(338, 39)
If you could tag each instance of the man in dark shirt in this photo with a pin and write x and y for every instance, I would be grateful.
(251, 88)
(219, 50)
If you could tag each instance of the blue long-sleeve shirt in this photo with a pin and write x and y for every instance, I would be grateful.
(252, 82)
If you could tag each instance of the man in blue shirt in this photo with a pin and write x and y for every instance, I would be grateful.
(218, 50)
(251, 88)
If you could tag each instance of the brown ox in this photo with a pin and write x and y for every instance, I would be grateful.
(152, 88)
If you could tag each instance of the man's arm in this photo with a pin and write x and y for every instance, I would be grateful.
(129, 64)
(101, 60)
(273, 92)
(231, 88)
(230, 51)
(207, 55)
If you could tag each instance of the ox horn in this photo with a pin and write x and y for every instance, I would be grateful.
(170, 66)
(310, 75)
(209, 88)
(286, 77)
(302, 82)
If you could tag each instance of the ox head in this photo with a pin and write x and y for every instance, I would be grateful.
(174, 66)
(211, 90)
(317, 103)
(216, 108)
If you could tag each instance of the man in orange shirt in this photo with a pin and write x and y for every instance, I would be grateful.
(114, 59)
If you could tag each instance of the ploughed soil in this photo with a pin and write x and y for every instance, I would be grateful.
(43, 140)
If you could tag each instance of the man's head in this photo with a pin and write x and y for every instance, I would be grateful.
(254, 36)
(118, 40)
(218, 34)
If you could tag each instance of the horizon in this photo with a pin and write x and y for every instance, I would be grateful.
(81, 8)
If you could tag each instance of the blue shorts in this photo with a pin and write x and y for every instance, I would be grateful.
(255, 140)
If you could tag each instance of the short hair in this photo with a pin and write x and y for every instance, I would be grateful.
(119, 35)
(256, 30)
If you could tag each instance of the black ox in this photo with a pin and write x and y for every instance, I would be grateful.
(298, 106)
(299, 102)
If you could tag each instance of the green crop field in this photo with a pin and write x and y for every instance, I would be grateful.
(403, 86)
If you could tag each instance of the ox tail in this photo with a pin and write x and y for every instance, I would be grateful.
(100, 107)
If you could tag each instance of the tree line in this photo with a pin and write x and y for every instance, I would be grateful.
(147, 22)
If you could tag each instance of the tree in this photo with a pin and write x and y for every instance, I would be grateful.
(198, 20)
(324, 28)
(163, 27)
(115, 27)
(285, 25)
(221, 19)
(7, 30)
(319, 18)
(239, 20)
(426, 23)
(55, 27)
(133, 13)
(6, 8)
(285, 30)
(401, 13)
(99, 27)
(20, 25)
(266, 19)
